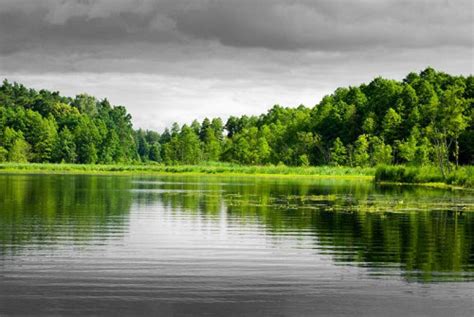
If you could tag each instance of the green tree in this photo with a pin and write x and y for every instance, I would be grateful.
(338, 152)
(380, 153)
(427, 118)
(19, 151)
(248, 146)
(211, 145)
(42, 135)
(155, 152)
(423, 152)
(218, 127)
(86, 104)
(304, 160)
(448, 121)
(86, 137)
(3, 154)
(189, 146)
(143, 148)
(416, 149)
(391, 125)
(407, 148)
(361, 151)
(369, 125)
(66, 147)
(44, 149)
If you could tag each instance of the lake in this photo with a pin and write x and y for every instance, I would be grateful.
(182, 245)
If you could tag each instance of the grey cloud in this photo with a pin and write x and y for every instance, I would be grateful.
(331, 25)
(175, 60)
(36, 28)
(249, 85)
(323, 25)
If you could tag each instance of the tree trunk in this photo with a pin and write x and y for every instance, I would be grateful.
(440, 155)
(456, 152)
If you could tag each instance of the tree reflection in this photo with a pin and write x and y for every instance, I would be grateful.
(41, 209)
(426, 233)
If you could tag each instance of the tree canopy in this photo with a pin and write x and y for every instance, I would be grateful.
(427, 118)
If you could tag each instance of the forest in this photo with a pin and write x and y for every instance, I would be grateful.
(425, 119)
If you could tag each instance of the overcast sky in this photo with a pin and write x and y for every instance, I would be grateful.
(176, 60)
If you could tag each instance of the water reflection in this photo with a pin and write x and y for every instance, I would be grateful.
(42, 210)
(423, 234)
(428, 234)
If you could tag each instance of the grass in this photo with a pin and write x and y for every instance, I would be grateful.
(208, 168)
(462, 176)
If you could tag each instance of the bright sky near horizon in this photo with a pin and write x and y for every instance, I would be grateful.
(176, 60)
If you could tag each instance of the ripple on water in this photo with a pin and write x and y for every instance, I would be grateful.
(104, 244)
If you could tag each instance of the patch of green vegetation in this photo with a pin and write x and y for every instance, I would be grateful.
(426, 175)
(212, 168)
(427, 118)
(461, 176)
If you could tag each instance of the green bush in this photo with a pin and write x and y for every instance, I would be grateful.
(462, 176)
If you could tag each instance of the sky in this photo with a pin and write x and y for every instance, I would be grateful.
(177, 60)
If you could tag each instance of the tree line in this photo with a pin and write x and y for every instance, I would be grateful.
(427, 118)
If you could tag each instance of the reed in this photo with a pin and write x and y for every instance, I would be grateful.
(208, 168)
(461, 176)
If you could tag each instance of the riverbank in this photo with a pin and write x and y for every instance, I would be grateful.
(399, 174)
(205, 169)
(463, 176)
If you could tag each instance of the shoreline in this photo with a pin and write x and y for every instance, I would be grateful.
(434, 185)
(314, 172)
(191, 170)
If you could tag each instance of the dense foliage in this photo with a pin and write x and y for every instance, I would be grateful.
(426, 118)
(461, 176)
(46, 127)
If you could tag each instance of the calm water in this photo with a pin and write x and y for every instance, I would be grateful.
(232, 246)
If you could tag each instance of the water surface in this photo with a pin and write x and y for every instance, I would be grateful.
(176, 245)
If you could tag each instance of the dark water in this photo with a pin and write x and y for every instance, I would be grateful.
(116, 245)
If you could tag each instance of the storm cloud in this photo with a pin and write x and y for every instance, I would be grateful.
(246, 54)
(324, 25)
